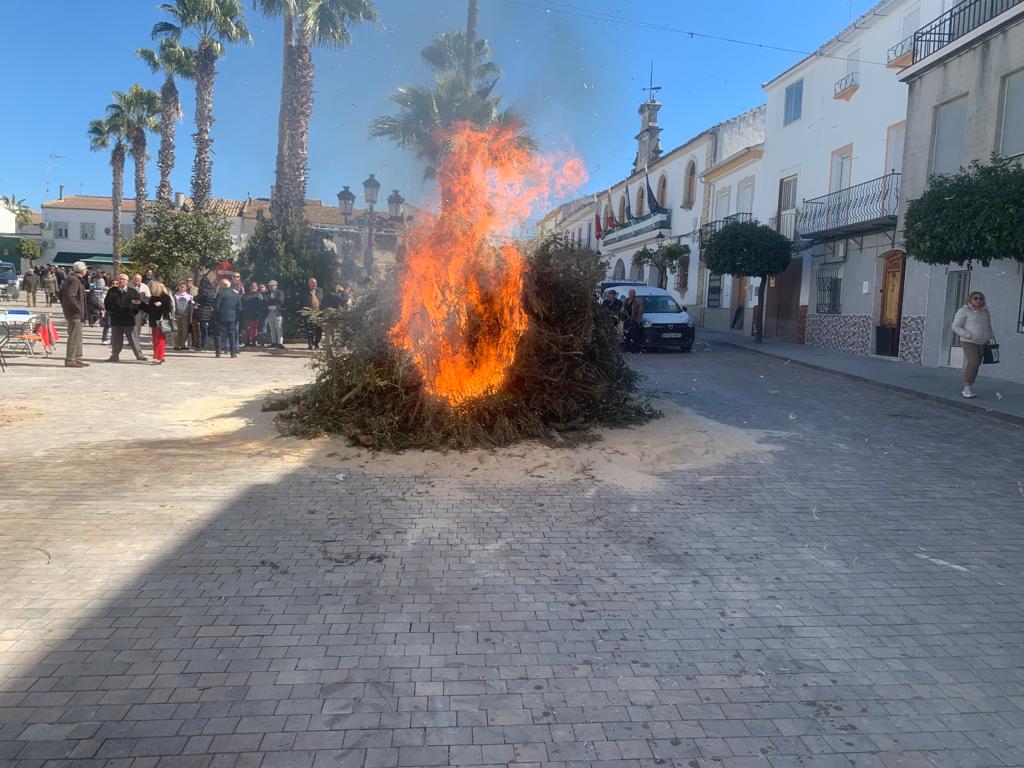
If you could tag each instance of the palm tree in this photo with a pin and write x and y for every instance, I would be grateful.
(447, 54)
(138, 111)
(22, 213)
(174, 60)
(472, 21)
(214, 23)
(110, 133)
(307, 23)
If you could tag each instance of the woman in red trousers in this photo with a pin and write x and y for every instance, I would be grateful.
(160, 308)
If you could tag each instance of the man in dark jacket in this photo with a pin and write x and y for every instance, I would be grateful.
(226, 309)
(72, 301)
(30, 285)
(122, 304)
(275, 317)
(633, 317)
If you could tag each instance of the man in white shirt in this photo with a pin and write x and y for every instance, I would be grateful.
(144, 294)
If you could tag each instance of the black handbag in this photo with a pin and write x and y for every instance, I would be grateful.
(990, 355)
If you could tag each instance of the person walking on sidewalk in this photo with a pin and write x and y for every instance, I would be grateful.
(202, 311)
(182, 316)
(30, 285)
(140, 319)
(122, 303)
(73, 302)
(311, 299)
(159, 312)
(973, 324)
(227, 308)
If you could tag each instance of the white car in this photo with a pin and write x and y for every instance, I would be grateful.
(666, 322)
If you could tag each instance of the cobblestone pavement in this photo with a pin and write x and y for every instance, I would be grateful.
(182, 589)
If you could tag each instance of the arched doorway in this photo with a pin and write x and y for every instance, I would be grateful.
(890, 313)
(636, 272)
(619, 271)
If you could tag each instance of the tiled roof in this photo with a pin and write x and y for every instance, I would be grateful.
(229, 208)
(319, 213)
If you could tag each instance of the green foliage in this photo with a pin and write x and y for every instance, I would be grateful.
(973, 215)
(29, 250)
(569, 374)
(747, 248)
(291, 254)
(666, 259)
(176, 243)
(16, 205)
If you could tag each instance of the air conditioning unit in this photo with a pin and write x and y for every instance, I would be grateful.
(47, 244)
(107, 230)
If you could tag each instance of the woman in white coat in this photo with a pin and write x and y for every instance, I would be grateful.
(973, 325)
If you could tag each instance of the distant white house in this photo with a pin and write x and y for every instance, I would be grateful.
(7, 221)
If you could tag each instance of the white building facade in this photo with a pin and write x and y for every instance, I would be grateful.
(834, 139)
(966, 102)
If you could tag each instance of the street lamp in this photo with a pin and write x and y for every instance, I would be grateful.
(395, 203)
(370, 189)
(345, 201)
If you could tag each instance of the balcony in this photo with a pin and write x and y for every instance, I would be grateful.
(958, 21)
(641, 225)
(711, 227)
(867, 207)
(845, 88)
(902, 54)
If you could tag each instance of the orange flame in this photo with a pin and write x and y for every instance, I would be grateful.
(461, 315)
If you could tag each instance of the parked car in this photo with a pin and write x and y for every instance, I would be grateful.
(619, 285)
(666, 323)
(8, 280)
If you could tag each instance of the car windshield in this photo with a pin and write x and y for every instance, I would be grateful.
(654, 304)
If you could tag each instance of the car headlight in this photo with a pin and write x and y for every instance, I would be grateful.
(646, 323)
(690, 322)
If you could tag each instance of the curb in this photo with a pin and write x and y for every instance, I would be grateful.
(960, 406)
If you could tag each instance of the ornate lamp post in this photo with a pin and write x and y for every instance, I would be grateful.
(345, 201)
(371, 191)
(371, 187)
(395, 206)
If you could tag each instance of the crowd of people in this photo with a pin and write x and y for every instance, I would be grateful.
(631, 313)
(224, 315)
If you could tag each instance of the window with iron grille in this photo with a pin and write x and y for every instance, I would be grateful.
(830, 283)
(714, 291)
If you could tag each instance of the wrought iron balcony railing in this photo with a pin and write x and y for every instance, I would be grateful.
(903, 48)
(959, 20)
(851, 81)
(706, 230)
(862, 208)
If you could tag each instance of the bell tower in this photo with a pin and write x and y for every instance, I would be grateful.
(648, 141)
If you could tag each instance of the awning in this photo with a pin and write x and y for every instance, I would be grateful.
(69, 257)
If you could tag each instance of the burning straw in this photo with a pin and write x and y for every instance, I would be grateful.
(478, 343)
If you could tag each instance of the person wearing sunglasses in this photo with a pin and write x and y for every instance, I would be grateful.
(973, 324)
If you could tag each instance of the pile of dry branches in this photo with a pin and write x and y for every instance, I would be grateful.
(569, 373)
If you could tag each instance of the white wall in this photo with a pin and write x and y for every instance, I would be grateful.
(7, 220)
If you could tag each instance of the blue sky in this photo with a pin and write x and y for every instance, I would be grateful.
(578, 80)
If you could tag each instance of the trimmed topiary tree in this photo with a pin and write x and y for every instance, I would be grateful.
(29, 250)
(749, 249)
(973, 215)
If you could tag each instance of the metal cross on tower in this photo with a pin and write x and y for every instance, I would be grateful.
(651, 87)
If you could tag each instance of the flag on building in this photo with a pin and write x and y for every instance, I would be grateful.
(598, 232)
(652, 201)
(610, 221)
(629, 209)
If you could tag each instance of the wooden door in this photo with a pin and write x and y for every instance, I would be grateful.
(782, 311)
(892, 291)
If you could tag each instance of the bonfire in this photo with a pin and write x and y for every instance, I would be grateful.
(481, 340)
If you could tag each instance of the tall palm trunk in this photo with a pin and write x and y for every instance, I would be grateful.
(117, 159)
(303, 72)
(206, 72)
(169, 115)
(278, 203)
(472, 20)
(139, 157)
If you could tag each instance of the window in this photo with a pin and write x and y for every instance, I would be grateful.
(640, 202)
(794, 102)
(722, 203)
(911, 23)
(949, 136)
(1011, 123)
(895, 137)
(88, 231)
(830, 284)
(127, 230)
(60, 230)
(714, 291)
(842, 167)
(690, 185)
(745, 197)
(787, 207)
(663, 192)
